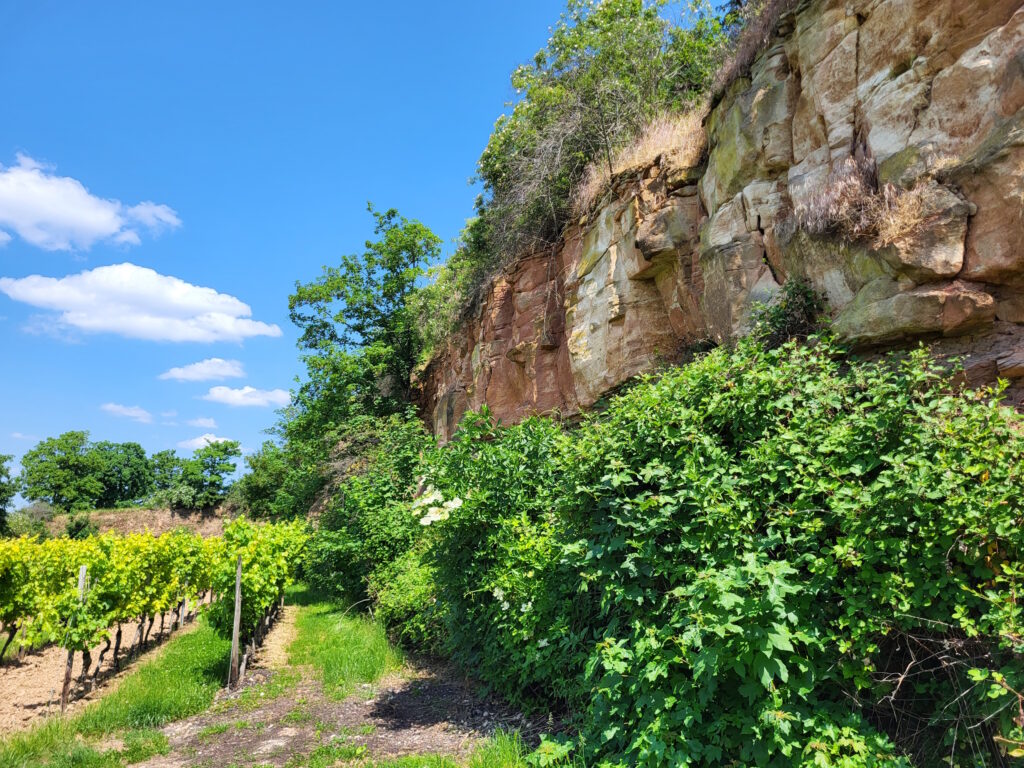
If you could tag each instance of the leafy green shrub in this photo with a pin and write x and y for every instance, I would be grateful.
(368, 525)
(80, 526)
(772, 536)
(767, 557)
(795, 313)
(404, 596)
(512, 605)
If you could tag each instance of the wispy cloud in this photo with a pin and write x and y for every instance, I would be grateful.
(202, 423)
(139, 303)
(22, 436)
(211, 369)
(57, 213)
(248, 396)
(201, 442)
(133, 412)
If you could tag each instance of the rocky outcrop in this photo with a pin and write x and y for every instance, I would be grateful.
(928, 94)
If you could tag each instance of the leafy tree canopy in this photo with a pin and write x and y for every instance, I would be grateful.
(63, 472)
(8, 489)
(125, 473)
(362, 304)
(205, 478)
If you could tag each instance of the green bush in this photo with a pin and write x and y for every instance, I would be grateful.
(767, 557)
(404, 596)
(80, 526)
(795, 313)
(367, 524)
(515, 615)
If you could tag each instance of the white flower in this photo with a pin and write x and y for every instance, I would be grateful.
(453, 504)
(542, 643)
(434, 514)
(526, 606)
(504, 605)
(430, 496)
(499, 593)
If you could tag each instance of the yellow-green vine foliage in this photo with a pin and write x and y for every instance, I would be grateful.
(137, 575)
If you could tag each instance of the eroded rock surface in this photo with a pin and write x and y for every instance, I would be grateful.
(931, 94)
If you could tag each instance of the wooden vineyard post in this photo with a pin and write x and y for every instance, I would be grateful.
(236, 626)
(71, 653)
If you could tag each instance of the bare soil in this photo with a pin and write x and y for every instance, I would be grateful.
(30, 687)
(155, 521)
(426, 709)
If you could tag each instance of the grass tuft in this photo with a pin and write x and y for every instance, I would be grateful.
(346, 650)
(679, 139)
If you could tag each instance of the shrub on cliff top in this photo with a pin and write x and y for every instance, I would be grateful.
(769, 558)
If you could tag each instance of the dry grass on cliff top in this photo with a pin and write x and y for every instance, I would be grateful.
(760, 20)
(678, 139)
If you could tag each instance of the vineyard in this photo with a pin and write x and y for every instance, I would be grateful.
(77, 593)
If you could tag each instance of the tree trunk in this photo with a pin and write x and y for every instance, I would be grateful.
(66, 688)
(149, 628)
(117, 647)
(99, 661)
(86, 663)
(10, 639)
(137, 642)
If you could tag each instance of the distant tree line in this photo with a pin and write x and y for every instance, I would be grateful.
(70, 473)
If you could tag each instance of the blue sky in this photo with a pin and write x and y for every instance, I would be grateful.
(222, 151)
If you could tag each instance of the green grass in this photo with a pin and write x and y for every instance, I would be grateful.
(210, 731)
(346, 649)
(179, 682)
(502, 751)
(255, 696)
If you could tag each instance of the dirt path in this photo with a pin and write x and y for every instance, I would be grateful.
(30, 688)
(282, 714)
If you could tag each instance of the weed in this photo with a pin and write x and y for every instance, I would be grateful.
(210, 731)
(143, 744)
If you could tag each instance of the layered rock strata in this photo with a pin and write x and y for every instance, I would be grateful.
(927, 94)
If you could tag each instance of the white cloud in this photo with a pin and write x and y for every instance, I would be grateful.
(201, 442)
(211, 369)
(138, 303)
(248, 396)
(203, 423)
(133, 412)
(4, 238)
(168, 414)
(22, 436)
(57, 213)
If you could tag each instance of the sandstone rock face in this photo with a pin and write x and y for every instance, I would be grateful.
(930, 94)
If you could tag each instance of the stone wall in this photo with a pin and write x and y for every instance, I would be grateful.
(928, 93)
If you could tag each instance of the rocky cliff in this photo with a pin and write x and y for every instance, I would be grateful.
(926, 97)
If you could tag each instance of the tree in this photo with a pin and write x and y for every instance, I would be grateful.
(8, 490)
(125, 473)
(258, 489)
(362, 305)
(62, 471)
(609, 67)
(204, 479)
(166, 469)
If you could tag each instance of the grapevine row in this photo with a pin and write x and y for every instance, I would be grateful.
(137, 578)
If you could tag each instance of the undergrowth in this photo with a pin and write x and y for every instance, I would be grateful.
(772, 557)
